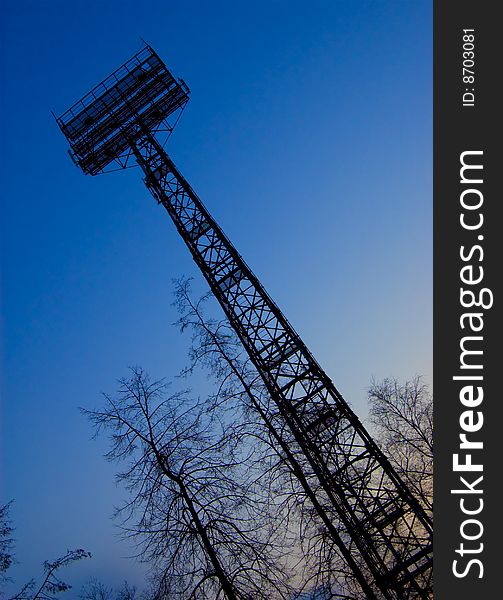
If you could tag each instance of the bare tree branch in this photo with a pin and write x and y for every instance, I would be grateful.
(195, 508)
(402, 415)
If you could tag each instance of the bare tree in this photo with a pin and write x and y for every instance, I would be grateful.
(51, 585)
(312, 532)
(196, 506)
(402, 416)
(127, 592)
(6, 542)
(96, 590)
(215, 489)
(402, 419)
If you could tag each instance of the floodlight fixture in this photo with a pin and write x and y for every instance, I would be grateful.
(141, 95)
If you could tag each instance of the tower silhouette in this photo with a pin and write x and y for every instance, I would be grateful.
(386, 536)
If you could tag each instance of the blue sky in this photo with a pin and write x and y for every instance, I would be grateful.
(308, 137)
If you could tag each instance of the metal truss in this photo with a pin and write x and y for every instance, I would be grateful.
(386, 536)
(355, 482)
(100, 126)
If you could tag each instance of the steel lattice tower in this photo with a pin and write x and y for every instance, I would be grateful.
(387, 536)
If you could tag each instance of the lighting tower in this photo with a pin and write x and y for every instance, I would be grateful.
(386, 535)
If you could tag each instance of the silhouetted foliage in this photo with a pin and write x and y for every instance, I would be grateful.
(240, 389)
(315, 559)
(50, 585)
(220, 505)
(6, 542)
(95, 590)
(196, 508)
(402, 416)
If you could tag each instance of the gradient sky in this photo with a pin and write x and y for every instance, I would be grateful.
(308, 137)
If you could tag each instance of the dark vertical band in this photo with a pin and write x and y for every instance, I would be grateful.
(467, 348)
